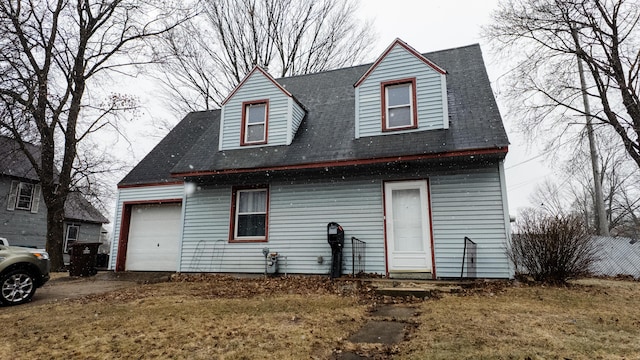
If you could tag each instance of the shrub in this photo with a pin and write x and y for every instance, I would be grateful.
(552, 248)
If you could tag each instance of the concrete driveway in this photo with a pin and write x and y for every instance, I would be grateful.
(62, 286)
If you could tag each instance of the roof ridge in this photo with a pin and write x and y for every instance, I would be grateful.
(426, 54)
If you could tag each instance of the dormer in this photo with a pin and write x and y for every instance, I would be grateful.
(401, 92)
(259, 112)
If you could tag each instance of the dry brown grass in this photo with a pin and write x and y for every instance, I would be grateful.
(592, 319)
(183, 321)
(306, 318)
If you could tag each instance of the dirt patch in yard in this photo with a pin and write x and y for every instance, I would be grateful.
(212, 286)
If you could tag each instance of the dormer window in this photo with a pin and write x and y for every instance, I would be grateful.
(399, 104)
(255, 117)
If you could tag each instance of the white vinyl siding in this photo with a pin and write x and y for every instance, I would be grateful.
(297, 115)
(298, 217)
(257, 87)
(469, 204)
(205, 235)
(400, 64)
(466, 204)
(300, 212)
(138, 194)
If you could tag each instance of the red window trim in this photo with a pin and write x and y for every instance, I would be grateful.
(414, 103)
(232, 220)
(243, 130)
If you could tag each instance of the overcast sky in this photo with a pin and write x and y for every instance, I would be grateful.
(437, 25)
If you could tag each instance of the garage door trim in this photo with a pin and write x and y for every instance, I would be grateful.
(125, 224)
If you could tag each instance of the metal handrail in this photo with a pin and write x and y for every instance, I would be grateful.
(464, 254)
(358, 252)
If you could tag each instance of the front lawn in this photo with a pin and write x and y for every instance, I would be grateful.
(589, 319)
(213, 317)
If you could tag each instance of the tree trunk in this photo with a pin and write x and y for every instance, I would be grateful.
(55, 234)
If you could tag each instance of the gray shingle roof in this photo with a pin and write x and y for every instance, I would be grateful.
(156, 166)
(15, 164)
(327, 134)
(78, 208)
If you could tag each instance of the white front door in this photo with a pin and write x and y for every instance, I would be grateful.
(408, 226)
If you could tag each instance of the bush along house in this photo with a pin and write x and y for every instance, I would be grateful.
(405, 154)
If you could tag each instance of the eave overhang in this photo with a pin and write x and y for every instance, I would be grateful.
(453, 155)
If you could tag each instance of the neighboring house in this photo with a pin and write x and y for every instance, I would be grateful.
(405, 153)
(23, 218)
(617, 256)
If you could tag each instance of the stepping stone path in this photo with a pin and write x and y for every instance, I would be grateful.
(387, 327)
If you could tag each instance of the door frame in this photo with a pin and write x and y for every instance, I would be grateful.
(125, 224)
(430, 219)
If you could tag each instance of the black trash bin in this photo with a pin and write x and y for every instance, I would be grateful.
(102, 261)
(83, 259)
(335, 237)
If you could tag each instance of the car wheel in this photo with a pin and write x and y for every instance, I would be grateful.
(16, 287)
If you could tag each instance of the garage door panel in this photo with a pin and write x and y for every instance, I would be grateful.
(154, 237)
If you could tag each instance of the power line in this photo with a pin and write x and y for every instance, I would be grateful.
(542, 153)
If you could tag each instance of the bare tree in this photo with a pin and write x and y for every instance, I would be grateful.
(573, 193)
(620, 180)
(52, 54)
(551, 197)
(207, 57)
(547, 36)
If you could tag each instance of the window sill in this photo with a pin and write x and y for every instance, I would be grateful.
(258, 240)
(410, 127)
(253, 143)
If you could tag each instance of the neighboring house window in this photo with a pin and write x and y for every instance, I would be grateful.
(399, 104)
(249, 214)
(255, 117)
(71, 237)
(23, 196)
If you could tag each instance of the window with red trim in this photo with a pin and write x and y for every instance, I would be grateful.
(249, 214)
(255, 115)
(399, 104)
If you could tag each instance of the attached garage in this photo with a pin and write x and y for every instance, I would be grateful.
(153, 237)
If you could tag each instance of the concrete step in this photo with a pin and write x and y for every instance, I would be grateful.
(418, 289)
(404, 292)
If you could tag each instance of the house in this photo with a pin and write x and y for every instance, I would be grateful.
(406, 154)
(23, 219)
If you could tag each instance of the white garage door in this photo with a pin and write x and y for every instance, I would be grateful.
(154, 236)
